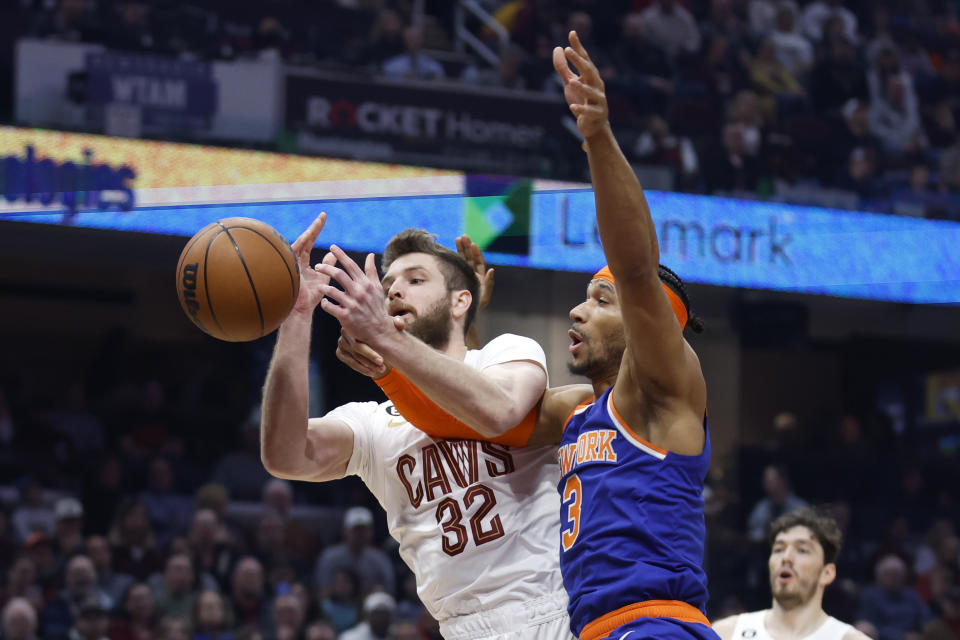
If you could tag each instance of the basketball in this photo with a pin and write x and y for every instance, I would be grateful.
(237, 279)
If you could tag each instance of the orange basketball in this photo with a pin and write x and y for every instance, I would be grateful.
(237, 279)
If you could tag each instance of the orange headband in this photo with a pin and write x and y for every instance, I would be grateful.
(679, 310)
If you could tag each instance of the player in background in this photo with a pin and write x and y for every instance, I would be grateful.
(804, 545)
(475, 521)
(633, 460)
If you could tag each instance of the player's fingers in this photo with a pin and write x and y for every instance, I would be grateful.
(309, 237)
(336, 311)
(335, 273)
(351, 267)
(361, 368)
(359, 351)
(561, 66)
(577, 45)
(339, 296)
(586, 68)
(594, 94)
(370, 268)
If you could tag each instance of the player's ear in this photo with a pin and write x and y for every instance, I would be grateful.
(828, 574)
(460, 303)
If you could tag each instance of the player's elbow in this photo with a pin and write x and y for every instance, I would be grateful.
(498, 420)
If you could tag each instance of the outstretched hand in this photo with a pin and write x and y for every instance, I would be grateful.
(470, 252)
(584, 93)
(312, 281)
(361, 305)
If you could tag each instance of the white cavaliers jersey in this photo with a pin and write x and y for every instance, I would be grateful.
(750, 626)
(477, 522)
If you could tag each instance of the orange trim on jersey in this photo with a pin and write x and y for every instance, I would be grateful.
(576, 409)
(602, 626)
(633, 433)
(679, 309)
(424, 414)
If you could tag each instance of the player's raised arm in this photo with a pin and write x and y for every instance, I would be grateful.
(657, 358)
(293, 446)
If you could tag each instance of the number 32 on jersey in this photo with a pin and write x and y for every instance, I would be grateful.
(571, 498)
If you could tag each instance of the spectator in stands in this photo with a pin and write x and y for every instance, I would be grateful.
(289, 616)
(582, 23)
(18, 620)
(384, 41)
(33, 513)
(735, 165)
(174, 590)
(339, 599)
(929, 551)
(169, 513)
(838, 78)
(247, 594)
(894, 609)
(944, 573)
(21, 582)
(299, 540)
(356, 552)
(946, 624)
(941, 126)
(774, 84)
(211, 617)
(413, 63)
(137, 615)
(658, 146)
(642, 70)
(270, 541)
(80, 586)
(40, 549)
(817, 13)
(790, 47)
(210, 546)
(321, 630)
(68, 529)
(173, 629)
(109, 581)
(409, 607)
(241, 471)
(672, 28)
(91, 623)
(895, 120)
(134, 545)
(779, 499)
(378, 611)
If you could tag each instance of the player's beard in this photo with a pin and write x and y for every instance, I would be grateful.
(792, 596)
(433, 325)
(603, 357)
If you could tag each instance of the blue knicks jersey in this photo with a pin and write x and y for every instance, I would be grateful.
(631, 517)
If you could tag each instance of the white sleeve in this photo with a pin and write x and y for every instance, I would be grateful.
(511, 348)
(359, 416)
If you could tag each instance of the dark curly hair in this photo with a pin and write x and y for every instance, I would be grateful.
(819, 522)
(672, 280)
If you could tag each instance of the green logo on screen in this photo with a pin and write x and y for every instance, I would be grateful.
(500, 223)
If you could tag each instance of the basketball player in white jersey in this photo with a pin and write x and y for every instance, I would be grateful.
(804, 548)
(476, 522)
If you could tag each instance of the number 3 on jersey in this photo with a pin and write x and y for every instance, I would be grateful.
(571, 498)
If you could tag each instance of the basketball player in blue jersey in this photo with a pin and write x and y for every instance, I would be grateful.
(633, 460)
(633, 457)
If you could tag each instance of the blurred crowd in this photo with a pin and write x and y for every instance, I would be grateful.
(133, 505)
(847, 104)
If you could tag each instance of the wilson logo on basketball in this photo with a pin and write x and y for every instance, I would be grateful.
(189, 289)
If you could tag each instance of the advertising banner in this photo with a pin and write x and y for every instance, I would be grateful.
(178, 189)
(393, 120)
(171, 94)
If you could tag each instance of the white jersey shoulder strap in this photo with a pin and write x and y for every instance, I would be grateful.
(832, 629)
